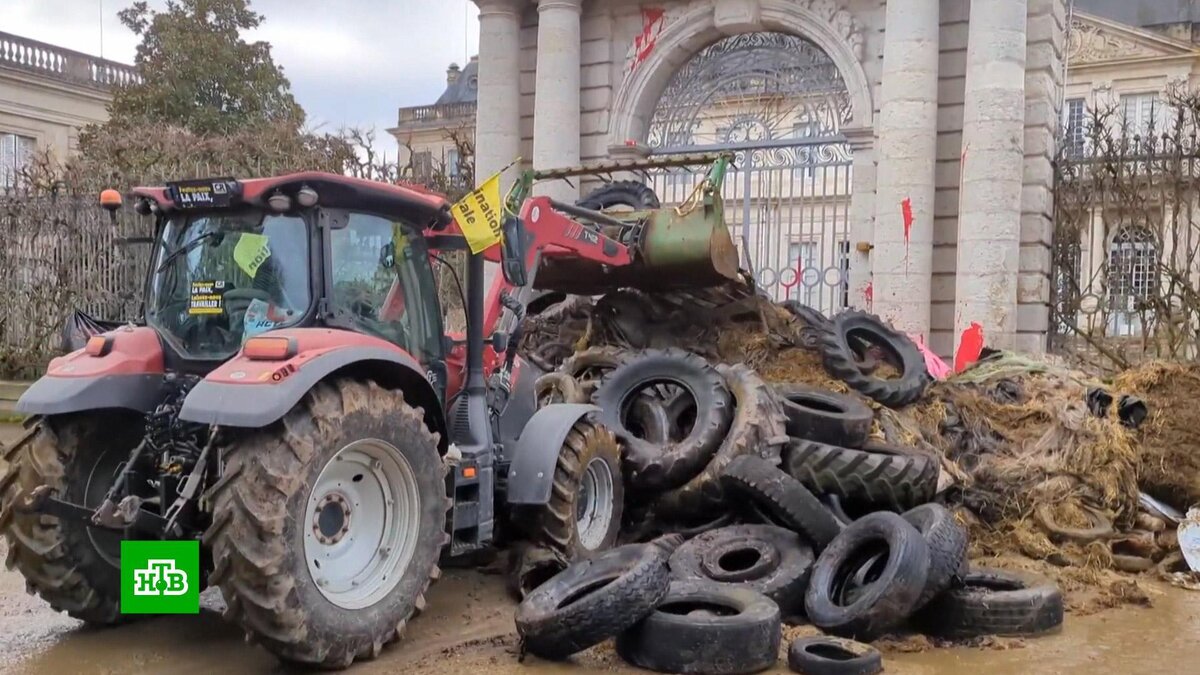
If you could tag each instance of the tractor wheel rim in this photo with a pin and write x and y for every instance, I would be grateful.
(361, 523)
(594, 505)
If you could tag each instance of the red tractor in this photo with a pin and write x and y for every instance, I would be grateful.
(293, 402)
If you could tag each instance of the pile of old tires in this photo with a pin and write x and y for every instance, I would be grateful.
(770, 504)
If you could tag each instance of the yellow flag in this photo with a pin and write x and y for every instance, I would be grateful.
(251, 251)
(478, 215)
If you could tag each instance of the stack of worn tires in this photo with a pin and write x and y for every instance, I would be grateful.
(777, 506)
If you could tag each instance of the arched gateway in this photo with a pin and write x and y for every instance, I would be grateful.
(779, 102)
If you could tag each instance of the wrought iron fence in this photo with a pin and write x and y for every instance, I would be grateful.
(1126, 248)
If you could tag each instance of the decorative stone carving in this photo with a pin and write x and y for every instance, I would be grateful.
(1089, 42)
(843, 22)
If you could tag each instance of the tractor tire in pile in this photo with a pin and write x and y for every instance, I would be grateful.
(853, 329)
(590, 366)
(824, 416)
(583, 516)
(328, 524)
(783, 500)
(757, 429)
(767, 559)
(994, 602)
(594, 600)
(947, 541)
(628, 193)
(702, 627)
(877, 476)
(654, 466)
(74, 568)
(869, 579)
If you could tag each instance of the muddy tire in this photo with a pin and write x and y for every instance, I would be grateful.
(878, 476)
(589, 366)
(811, 316)
(556, 388)
(708, 628)
(994, 602)
(654, 466)
(852, 328)
(767, 559)
(593, 600)
(869, 579)
(287, 500)
(629, 193)
(824, 416)
(74, 568)
(1099, 526)
(824, 655)
(783, 499)
(757, 429)
(583, 516)
(947, 541)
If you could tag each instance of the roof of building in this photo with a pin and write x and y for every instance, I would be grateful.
(465, 89)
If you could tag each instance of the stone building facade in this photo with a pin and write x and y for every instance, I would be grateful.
(47, 94)
(947, 113)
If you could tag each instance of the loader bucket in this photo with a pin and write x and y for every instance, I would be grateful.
(687, 248)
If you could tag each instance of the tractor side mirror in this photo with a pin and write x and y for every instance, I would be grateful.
(512, 252)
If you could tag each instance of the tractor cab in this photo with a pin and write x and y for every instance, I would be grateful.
(235, 259)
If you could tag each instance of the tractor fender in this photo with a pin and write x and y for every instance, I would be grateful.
(531, 474)
(59, 395)
(247, 393)
(126, 373)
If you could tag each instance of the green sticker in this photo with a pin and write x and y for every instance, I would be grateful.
(251, 252)
(207, 297)
(160, 577)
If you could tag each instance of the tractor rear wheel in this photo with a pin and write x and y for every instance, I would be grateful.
(73, 567)
(327, 525)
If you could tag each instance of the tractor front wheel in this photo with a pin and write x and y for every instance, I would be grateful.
(327, 525)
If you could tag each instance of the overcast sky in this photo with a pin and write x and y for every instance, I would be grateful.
(350, 62)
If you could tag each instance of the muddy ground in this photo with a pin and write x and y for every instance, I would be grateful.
(468, 628)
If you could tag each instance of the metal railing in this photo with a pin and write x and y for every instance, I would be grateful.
(63, 64)
(431, 113)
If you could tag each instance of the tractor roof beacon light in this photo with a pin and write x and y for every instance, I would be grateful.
(306, 197)
(110, 200)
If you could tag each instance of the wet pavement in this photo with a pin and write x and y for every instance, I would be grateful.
(468, 628)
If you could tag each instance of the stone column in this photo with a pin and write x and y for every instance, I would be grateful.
(556, 99)
(498, 117)
(862, 215)
(989, 221)
(902, 260)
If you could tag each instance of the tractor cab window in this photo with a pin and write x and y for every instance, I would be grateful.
(219, 278)
(382, 283)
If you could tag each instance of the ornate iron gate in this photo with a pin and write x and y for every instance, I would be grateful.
(778, 102)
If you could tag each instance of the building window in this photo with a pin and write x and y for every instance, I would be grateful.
(1131, 275)
(452, 168)
(15, 153)
(1075, 136)
(1144, 115)
(422, 164)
